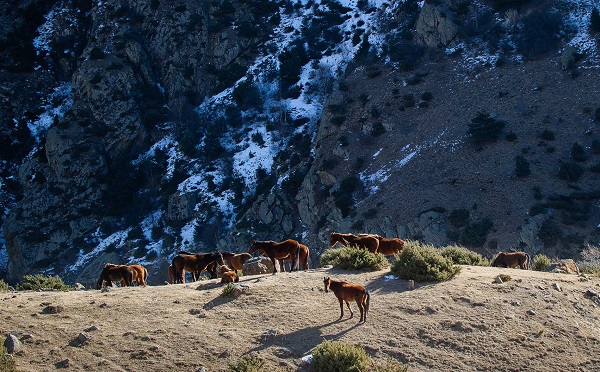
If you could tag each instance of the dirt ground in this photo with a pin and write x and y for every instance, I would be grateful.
(466, 324)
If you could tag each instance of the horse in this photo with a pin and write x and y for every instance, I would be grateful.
(303, 256)
(194, 263)
(387, 246)
(278, 251)
(369, 242)
(512, 259)
(140, 274)
(228, 275)
(346, 292)
(115, 273)
(236, 261)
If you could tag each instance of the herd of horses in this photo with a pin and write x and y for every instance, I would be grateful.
(226, 265)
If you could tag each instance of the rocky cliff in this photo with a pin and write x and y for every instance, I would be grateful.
(135, 128)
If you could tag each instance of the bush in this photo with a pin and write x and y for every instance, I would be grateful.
(522, 168)
(228, 291)
(459, 218)
(570, 171)
(595, 20)
(354, 258)
(338, 356)
(39, 282)
(590, 259)
(247, 363)
(3, 285)
(540, 33)
(578, 153)
(463, 256)
(540, 262)
(475, 234)
(485, 128)
(547, 135)
(423, 263)
(7, 362)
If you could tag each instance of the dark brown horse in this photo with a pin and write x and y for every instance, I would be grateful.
(115, 273)
(195, 263)
(369, 242)
(346, 292)
(278, 251)
(512, 259)
(303, 256)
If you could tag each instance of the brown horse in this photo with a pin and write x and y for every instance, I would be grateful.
(278, 251)
(346, 292)
(303, 256)
(115, 273)
(228, 275)
(140, 274)
(512, 259)
(236, 261)
(387, 246)
(369, 242)
(194, 263)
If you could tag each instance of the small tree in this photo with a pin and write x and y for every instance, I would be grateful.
(578, 153)
(485, 128)
(522, 168)
(595, 20)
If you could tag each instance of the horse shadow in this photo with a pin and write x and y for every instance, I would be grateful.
(301, 342)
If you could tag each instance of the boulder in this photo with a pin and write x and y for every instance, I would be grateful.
(567, 266)
(257, 266)
(437, 25)
(12, 344)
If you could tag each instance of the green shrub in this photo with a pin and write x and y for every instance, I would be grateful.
(354, 258)
(522, 168)
(547, 135)
(7, 362)
(570, 171)
(247, 363)
(459, 218)
(338, 356)
(485, 128)
(228, 291)
(595, 20)
(578, 153)
(475, 234)
(463, 256)
(540, 262)
(3, 285)
(39, 282)
(423, 263)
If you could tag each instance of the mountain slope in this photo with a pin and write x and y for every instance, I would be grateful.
(467, 323)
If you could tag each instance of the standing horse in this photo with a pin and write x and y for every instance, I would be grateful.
(115, 273)
(278, 251)
(512, 259)
(346, 292)
(369, 242)
(195, 263)
(387, 246)
(303, 256)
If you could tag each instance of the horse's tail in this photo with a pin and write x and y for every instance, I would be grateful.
(527, 262)
(298, 256)
(145, 275)
(494, 262)
(368, 301)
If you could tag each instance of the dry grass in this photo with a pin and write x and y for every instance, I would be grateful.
(468, 323)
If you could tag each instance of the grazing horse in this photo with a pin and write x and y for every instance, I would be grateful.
(303, 256)
(369, 242)
(387, 246)
(236, 261)
(228, 275)
(278, 251)
(194, 263)
(346, 292)
(115, 273)
(140, 274)
(512, 259)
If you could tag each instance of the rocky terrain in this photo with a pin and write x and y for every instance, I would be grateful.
(133, 129)
(533, 321)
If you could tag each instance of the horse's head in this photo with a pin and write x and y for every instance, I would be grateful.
(254, 247)
(333, 238)
(326, 282)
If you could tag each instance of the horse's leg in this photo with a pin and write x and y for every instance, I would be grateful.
(123, 284)
(282, 265)
(341, 308)
(274, 265)
(349, 309)
(359, 302)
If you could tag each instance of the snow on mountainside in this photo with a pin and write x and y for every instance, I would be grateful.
(257, 125)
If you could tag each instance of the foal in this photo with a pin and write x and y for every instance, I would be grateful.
(346, 292)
